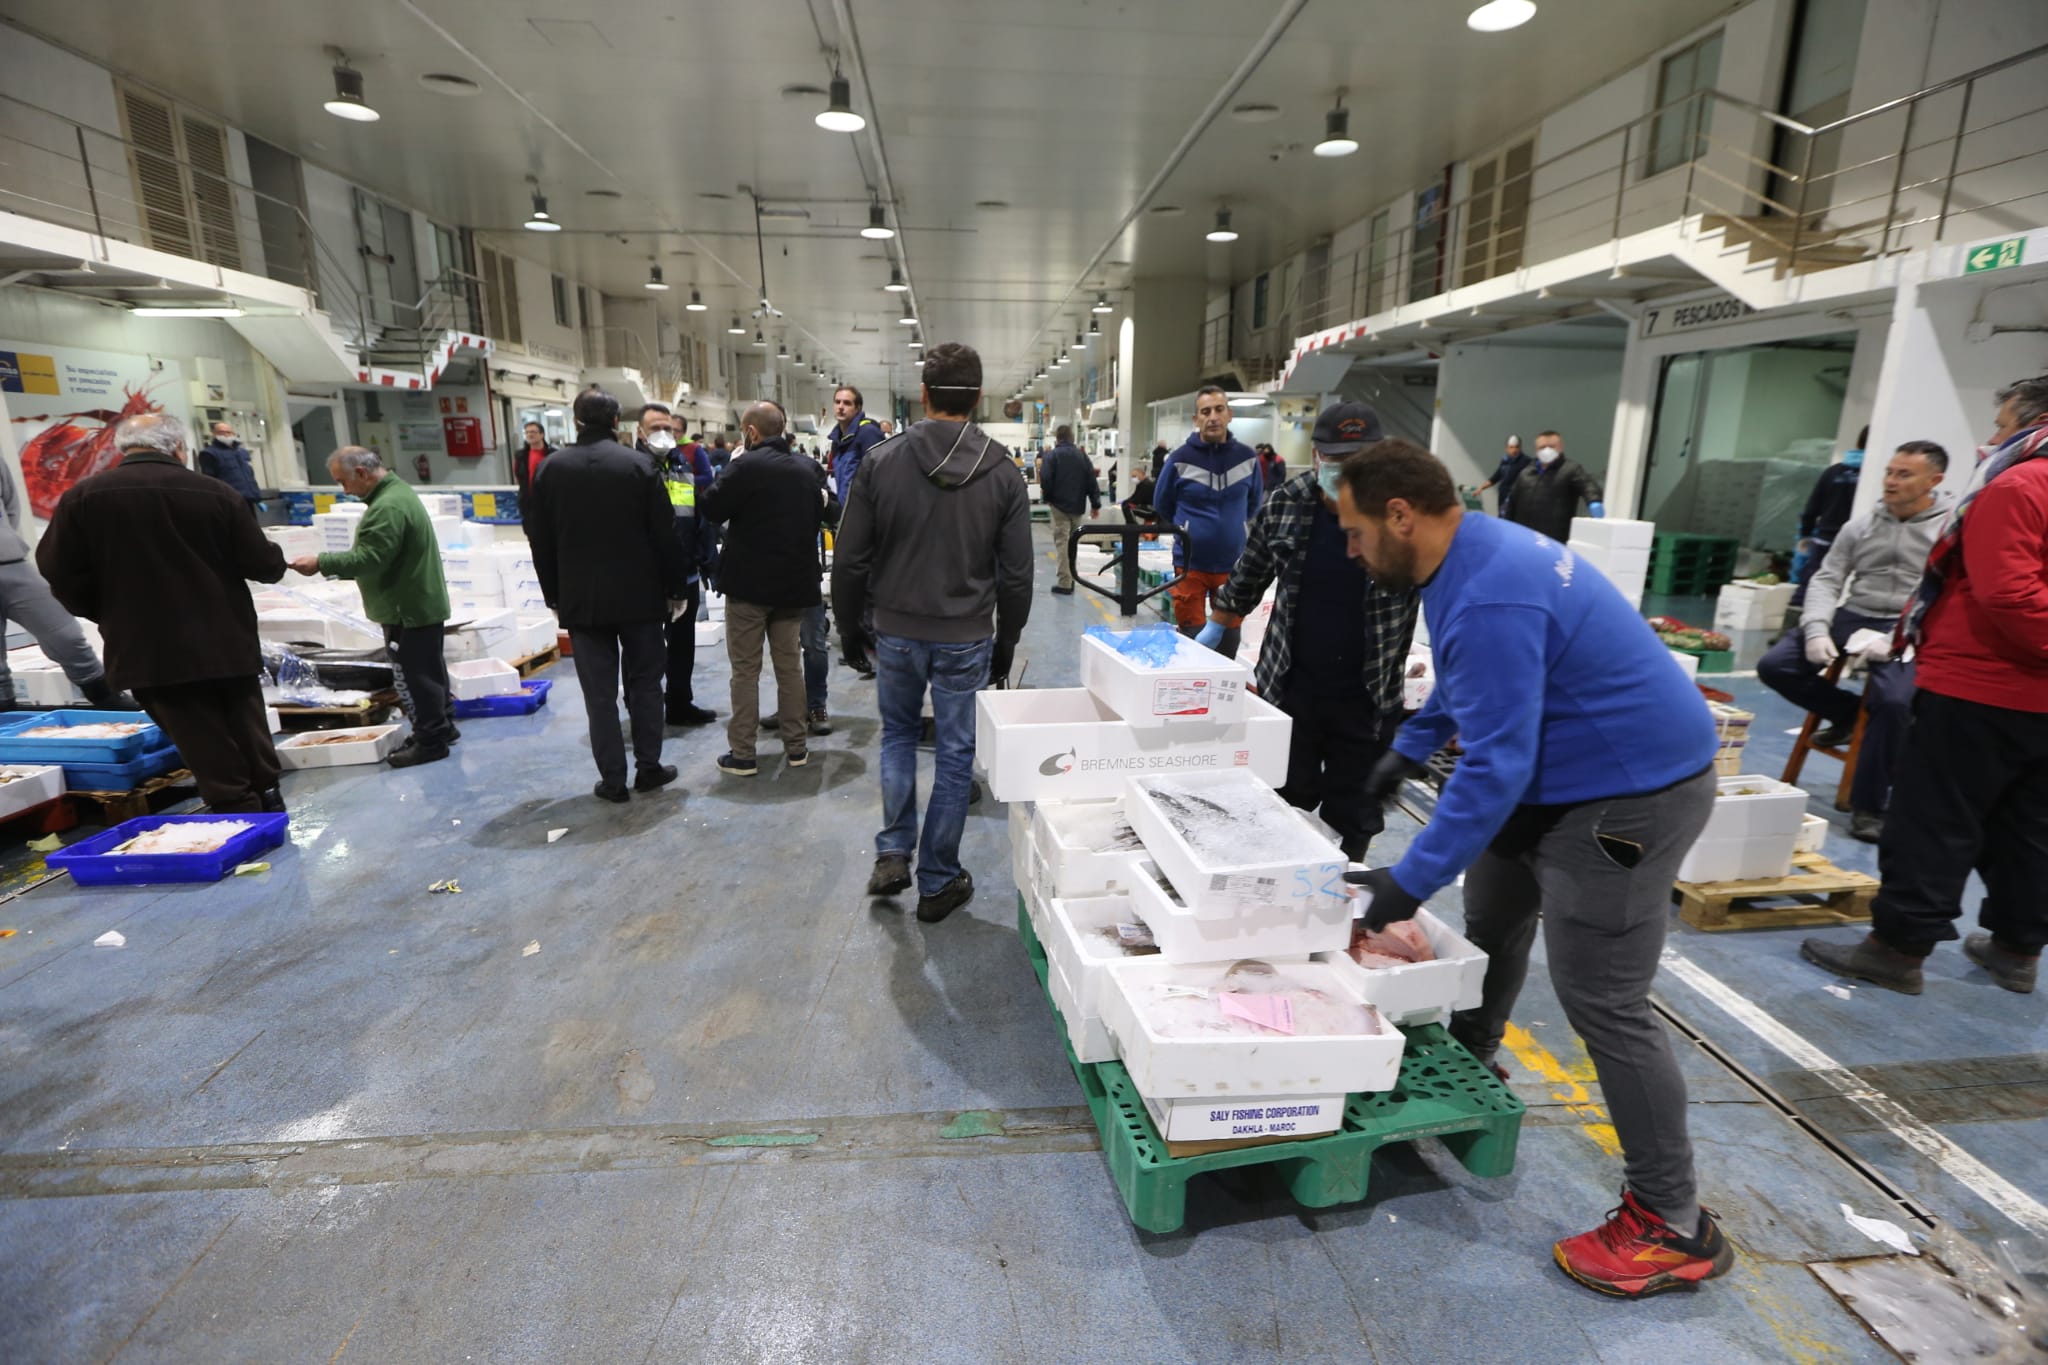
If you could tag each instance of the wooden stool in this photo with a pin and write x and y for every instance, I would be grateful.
(1847, 755)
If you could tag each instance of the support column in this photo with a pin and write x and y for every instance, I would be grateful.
(1166, 344)
(1628, 450)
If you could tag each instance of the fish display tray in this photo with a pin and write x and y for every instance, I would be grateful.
(32, 786)
(368, 744)
(18, 748)
(1442, 1092)
(1244, 848)
(91, 863)
(121, 777)
(531, 696)
(1421, 992)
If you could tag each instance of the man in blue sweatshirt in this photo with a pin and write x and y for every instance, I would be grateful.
(853, 435)
(1587, 774)
(1211, 488)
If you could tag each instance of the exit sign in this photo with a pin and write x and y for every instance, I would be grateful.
(1994, 255)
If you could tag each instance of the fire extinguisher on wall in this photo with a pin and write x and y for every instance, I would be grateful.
(423, 469)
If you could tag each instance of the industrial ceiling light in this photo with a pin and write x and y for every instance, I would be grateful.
(654, 280)
(878, 229)
(1080, 341)
(915, 343)
(838, 116)
(696, 303)
(736, 329)
(1337, 139)
(1101, 304)
(895, 284)
(540, 222)
(1094, 329)
(348, 101)
(759, 340)
(1222, 232)
(782, 350)
(1498, 16)
(909, 316)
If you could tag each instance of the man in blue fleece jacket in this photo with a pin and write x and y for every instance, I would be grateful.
(1587, 774)
(1211, 488)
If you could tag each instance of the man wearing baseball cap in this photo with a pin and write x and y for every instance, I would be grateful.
(1337, 645)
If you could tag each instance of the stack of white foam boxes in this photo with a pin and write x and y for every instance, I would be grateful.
(1744, 605)
(1619, 549)
(1757, 825)
(1098, 779)
(496, 609)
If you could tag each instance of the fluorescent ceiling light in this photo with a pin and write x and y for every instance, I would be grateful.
(1248, 402)
(895, 284)
(348, 99)
(878, 228)
(1498, 16)
(540, 222)
(785, 213)
(838, 116)
(1337, 139)
(1222, 232)
(195, 311)
(696, 303)
(654, 280)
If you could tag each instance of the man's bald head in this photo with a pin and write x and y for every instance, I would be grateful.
(763, 422)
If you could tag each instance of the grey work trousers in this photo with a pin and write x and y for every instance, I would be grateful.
(747, 626)
(25, 598)
(600, 652)
(1599, 876)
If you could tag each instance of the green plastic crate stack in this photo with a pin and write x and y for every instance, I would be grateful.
(1686, 565)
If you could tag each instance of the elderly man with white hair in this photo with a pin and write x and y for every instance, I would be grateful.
(396, 560)
(161, 557)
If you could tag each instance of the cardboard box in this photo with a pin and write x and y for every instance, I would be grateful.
(1197, 685)
(1064, 744)
(1260, 858)
(1218, 1125)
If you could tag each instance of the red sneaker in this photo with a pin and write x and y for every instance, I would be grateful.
(1635, 1253)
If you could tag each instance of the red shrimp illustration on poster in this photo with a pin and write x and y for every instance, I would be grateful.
(72, 436)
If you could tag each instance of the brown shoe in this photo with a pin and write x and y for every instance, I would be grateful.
(2014, 971)
(1869, 960)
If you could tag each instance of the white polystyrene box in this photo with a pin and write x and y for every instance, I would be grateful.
(28, 784)
(1072, 836)
(1615, 533)
(448, 533)
(1688, 664)
(1292, 929)
(476, 584)
(1064, 744)
(1422, 992)
(1020, 843)
(1195, 686)
(1770, 808)
(1229, 844)
(710, 632)
(1752, 606)
(367, 744)
(461, 561)
(1210, 1120)
(273, 720)
(477, 534)
(1076, 944)
(472, 679)
(1087, 1035)
(1813, 835)
(1738, 858)
(46, 686)
(1266, 1064)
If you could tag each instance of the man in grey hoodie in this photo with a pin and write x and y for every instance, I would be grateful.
(1868, 576)
(936, 536)
(26, 600)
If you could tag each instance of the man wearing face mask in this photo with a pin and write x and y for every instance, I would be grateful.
(685, 476)
(227, 459)
(1547, 497)
(1338, 643)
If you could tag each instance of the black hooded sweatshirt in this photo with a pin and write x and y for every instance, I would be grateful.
(936, 535)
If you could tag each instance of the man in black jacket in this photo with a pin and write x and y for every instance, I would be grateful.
(161, 557)
(605, 551)
(227, 459)
(769, 500)
(1068, 482)
(1547, 497)
(938, 537)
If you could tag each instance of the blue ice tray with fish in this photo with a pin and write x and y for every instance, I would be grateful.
(92, 862)
(120, 777)
(531, 696)
(16, 747)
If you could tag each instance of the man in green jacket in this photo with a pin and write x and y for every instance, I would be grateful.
(397, 563)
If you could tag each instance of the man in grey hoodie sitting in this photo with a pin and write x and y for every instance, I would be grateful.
(1867, 578)
(936, 535)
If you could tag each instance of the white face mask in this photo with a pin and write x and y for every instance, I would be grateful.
(1547, 454)
(663, 441)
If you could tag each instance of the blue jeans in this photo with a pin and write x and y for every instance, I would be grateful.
(817, 645)
(954, 672)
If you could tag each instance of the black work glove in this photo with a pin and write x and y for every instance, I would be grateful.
(853, 652)
(1390, 901)
(1389, 773)
(1001, 656)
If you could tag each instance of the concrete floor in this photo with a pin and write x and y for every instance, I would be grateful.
(321, 1114)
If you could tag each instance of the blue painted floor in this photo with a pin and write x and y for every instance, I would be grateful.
(322, 1114)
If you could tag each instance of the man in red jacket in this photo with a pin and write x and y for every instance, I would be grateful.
(1972, 785)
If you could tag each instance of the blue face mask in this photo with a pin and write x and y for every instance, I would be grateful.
(1853, 459)
(1327, 474)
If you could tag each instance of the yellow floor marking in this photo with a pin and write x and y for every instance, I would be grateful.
(1567, 1087)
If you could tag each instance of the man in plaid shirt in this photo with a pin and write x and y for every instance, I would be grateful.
(1337, 645)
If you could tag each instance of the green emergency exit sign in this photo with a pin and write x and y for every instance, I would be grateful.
(1994, 256)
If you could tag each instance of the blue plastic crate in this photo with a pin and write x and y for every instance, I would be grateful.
(120, 777)
(532, 695)
(18, 748)
(90, 862)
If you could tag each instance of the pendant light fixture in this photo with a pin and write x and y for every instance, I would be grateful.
(895, 284)
(878, 229)
(1080, 341)
(1222, 232)
(1094, 329)
(1101, 304)
(348, 101)
(759, 340)
(736, 329)
(782, 350)
(696, 303)
(915, 344)
(1498, 16)
(1337, 139)
(908, 316)
(540, 222)
(654, 280)
(838, 116)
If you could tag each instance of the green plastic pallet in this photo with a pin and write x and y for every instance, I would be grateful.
(1443, 1092)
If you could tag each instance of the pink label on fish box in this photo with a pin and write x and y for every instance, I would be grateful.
(1275, 1012)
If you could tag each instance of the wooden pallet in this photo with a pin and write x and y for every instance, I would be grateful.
(1823, 894)
(375, 712)
(111, 808)
(534, 663)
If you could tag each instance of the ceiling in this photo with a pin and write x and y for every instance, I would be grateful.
(1062, 111)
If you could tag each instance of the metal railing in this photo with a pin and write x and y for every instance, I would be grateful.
(60, 171)
(1881, 195)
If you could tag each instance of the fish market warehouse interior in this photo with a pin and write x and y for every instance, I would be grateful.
(1254, 680)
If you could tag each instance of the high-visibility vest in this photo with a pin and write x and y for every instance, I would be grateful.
(682, 491)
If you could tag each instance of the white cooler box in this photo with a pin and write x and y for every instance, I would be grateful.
(1197, 686)
(1748, 835)
(367, 744)
(45, 685)
(1614, 533)
(1076, 840)
(1266, 1064)
(1752, 606)
(1289, 929)
(1255, 853)
(28, 784)
(1020, 843)
(1421, 992)
(1064, 744)
(1078, 957)
(480, 633)
(473, 679)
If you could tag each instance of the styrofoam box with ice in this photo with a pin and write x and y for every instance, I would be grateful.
(1083, 942)
(1157, 677)
(1286, 930)
(1421, 992)
(1066, 744)
(1176, 1040)
(1228, 843)
(1085, 844)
